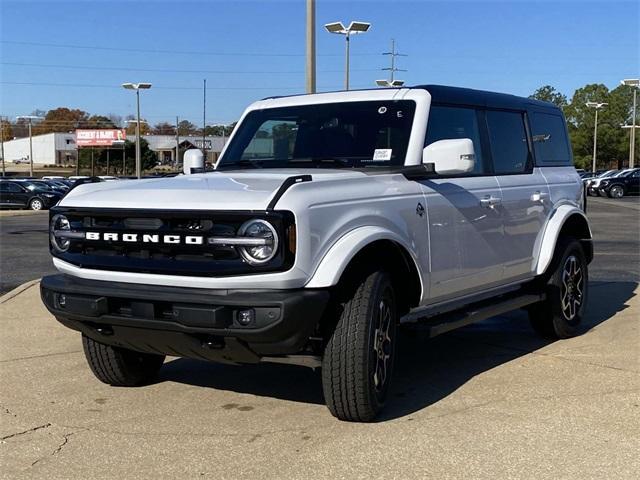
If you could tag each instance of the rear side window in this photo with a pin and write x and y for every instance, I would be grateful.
(448, 123)
(550, 141)
(9, 187)
(508, 137)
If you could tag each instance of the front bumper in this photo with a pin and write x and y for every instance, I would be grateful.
(186, 322)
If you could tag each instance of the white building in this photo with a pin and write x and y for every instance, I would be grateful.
(48, 149)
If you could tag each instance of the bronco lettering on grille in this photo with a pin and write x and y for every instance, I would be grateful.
(145, 238)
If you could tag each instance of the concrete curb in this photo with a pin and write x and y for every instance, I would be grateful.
(18, 290)
(19, 213)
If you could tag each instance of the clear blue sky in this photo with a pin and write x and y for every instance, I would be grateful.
(508, 46)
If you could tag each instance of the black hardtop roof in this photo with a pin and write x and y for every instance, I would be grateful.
(461, 96)
(468, 96)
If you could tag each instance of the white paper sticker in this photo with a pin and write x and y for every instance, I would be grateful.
(382, 154)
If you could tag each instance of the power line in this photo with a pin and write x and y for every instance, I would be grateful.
(176, 52)
(163, 70)
(86, 85)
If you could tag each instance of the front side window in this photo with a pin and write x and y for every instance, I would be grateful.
(550, 141)
(349, 134)
(508, 137)
(449, 123)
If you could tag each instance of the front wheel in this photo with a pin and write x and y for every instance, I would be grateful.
(560, 314)
(616, 192)
(358, 359)
(118, 366)
(36, 204)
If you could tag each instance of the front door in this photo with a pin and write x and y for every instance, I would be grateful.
(464, 213)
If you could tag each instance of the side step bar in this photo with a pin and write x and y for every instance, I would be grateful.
(446, 322)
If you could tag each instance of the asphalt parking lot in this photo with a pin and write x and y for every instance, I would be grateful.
(487, 401)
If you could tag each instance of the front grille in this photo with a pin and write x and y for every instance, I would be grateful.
(171, 259)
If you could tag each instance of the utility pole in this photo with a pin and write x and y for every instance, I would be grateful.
(204, 117)
(393, 54)
(177, 159)
(30, 118)
(311, 46)
(2, 143)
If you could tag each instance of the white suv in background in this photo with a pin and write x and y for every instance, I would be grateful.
(331, 220)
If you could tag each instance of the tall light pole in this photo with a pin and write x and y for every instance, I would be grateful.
(137, 87)
(597, 106)
(31, 118)
(635, 83)
(2, 143)
(311, 46)
(354, 28)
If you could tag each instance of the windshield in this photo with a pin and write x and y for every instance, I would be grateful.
(350, 134)
(37, 186)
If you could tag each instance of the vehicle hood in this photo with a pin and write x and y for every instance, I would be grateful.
(236, 190)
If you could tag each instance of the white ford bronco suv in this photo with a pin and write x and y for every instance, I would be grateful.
(330, 220)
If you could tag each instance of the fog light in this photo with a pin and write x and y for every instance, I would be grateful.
(62, 300)
(246, 317)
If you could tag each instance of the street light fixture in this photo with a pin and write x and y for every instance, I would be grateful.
(137, 87)
(31, 118)
(354, 28)
(388, 83)
(635, 83)
(597, 106)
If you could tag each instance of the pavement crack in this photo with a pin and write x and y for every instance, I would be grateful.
(39, 427)
(39, 356)
(65, 440)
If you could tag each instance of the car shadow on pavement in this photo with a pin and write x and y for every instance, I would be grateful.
(426, 370)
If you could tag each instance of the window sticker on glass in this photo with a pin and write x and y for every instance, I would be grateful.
(382, 154)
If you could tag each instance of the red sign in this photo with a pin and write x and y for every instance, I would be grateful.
(99, 138)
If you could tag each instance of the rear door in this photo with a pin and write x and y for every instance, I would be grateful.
(465, 229)
(523, 188)
(13, 195)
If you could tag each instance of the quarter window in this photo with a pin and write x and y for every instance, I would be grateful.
(448, 123)
(508, 137)
(550, 139)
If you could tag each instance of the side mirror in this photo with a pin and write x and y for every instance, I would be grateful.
(450, 157)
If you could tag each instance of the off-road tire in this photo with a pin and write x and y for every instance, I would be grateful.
(552, 318)
(36, 204)
(355, 387)
(118, 366)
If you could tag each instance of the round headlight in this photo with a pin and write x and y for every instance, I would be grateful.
(266, 249)
(59, 223)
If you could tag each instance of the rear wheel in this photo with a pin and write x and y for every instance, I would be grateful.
(560, 314)
(616, 192)
(358, 359)
(36, 204)
(118, 366)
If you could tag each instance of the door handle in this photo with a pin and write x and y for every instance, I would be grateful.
(539, 196)
(490, 201)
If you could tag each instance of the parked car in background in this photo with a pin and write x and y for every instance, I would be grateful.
(626, 183)
(586, 176)
(23, 194)
(593, 183)
(18, 161)
(47, 184)
(53, 177)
